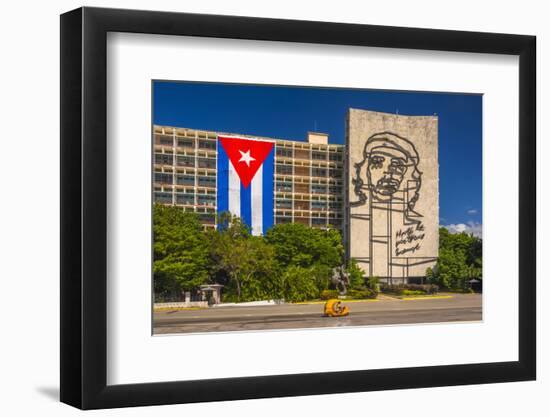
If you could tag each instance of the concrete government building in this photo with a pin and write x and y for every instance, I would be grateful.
(379, 189)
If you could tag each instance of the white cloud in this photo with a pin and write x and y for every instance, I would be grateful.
(472, 211)
(469, 227)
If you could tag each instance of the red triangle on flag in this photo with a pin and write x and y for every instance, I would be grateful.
(246, 155)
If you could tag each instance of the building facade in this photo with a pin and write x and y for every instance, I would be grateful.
(308, 183)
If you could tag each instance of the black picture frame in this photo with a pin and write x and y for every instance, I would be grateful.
(84, 207)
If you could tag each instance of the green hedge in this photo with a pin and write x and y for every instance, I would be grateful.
(365, 293)
(329, 294)
(411, 289)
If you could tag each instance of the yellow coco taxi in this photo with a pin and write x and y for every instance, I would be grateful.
(335, 308)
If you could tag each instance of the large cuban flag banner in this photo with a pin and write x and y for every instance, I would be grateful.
(245, 180)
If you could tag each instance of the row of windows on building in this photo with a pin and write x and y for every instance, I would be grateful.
(209, 218)
(315, 221)
(280, 151)
(206, 144)
(206, 219)
(185, 198)
(185, 161)
(202, 181)
(210, 181)
(185, 142)
(306, 154)
(305, 171)
(210, 163)
(306, 188)
(308, 205)
(280, 186)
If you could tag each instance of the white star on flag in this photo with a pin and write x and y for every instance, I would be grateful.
(246, 158)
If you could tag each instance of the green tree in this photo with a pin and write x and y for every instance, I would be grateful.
(247, 262)
(181, 253)
(229, 250)
(460, 259)
(258, 271)
(356, 275)
(305, 257)
(299, 284)
(475, 258)
(299, 245)
(452, 268)
(321, 275)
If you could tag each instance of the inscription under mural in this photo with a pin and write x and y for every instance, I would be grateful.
(408, 240)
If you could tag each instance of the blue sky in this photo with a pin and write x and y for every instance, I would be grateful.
(290, 112)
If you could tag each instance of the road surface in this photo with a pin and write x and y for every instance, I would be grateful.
(384, 311)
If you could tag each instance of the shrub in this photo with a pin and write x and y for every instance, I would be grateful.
(321, 275)
(328, 294)
(461, 291)
(432, 288)
(300, 285)
(356, 275)
(412, 292)
(373, 284)
(426, 288)
(411, 289)
(361, 294)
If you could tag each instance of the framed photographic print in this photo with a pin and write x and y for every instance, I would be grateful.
(257, 208)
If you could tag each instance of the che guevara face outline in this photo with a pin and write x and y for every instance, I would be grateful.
(390, 163)
(385, 169)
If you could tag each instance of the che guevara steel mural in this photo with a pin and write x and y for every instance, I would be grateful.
(388, 235)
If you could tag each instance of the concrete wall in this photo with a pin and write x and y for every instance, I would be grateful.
(392, 215)
(317, 138)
